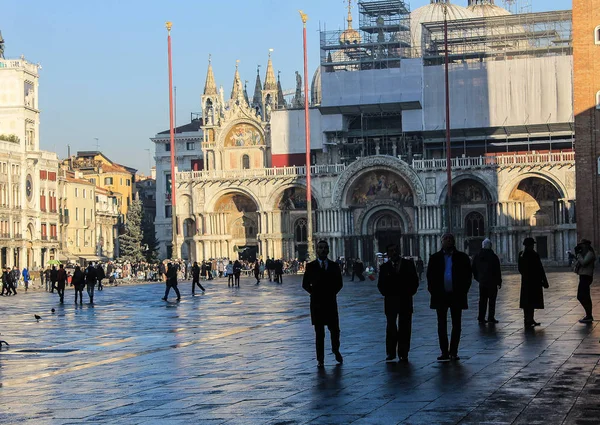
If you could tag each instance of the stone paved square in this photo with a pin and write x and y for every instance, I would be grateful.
(246, 356)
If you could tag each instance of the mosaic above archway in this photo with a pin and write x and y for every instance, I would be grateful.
(294, 198)
(243, 135)
(535, 189)
(235, 203)
(380, 185)
(469, 192)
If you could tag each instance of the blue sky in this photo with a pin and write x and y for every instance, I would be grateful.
(104, 62)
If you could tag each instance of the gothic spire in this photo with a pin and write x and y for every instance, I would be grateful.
(280, 100)
(270, 82)
(246, 92)
(256, 100)
(210, 88)
(237, 91)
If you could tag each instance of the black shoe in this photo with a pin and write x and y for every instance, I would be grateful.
(390, 358)
(454, 357)
(338, 357)
(164, 298)
(481, 321)
(444, 358)
(403, 359)
(178, 298)
(320, 365)
(529, 324)
(587, 319)
(492, 320)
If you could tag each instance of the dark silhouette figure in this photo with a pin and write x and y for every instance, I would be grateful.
(5, 284)
(448, 282)
(533, 279)
(486, 271)
(78, 282)
(196, 278)
(61, 283)
(584, 267)
(171, 282)
(53, 278)
(99, 276)
(323, 280)
(90, 281)
(420, 268)
(237, 271)
(257, 271)
(270, 266)
(279, 271)
(358, 269)
(398, 283)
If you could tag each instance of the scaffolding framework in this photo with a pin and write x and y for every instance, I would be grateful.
(500, 37)
(384, 28)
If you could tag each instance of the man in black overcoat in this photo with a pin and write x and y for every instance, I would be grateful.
(196, 278)
(486, 271)
(533, 279)
(448, 282)
(398, 283)
(323, 280)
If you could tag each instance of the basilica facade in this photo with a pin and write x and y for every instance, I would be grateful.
(377, 148)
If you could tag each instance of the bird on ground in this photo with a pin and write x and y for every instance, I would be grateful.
(52, 310)
(37, 317)
(5, 343)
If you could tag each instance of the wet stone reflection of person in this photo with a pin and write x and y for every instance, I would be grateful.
(323, 280)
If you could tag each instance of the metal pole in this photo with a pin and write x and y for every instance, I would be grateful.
(309, 226)
(448, 146)
(171, 118)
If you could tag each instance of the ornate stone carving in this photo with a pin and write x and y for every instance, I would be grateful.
(382, 204)
(378, 162)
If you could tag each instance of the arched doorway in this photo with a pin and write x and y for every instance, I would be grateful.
(388, 231)
(474, 231)
(301, 238)
(292, 206)
(239, 227)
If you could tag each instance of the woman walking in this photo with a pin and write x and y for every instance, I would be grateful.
(584, 267)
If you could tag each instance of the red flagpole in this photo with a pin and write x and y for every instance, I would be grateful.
(448, 141)
(172, 128)
(309, 226)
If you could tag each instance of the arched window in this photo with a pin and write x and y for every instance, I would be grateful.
(301, 231)
(597, 35)
(474, 225)
(245, 162)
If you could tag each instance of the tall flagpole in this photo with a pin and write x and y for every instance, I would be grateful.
(448, 144)
(309, 224)
(172, 127)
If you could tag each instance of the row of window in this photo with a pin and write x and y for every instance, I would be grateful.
(109, 181)
(190, 146)
(48, 175)
(53, 231)
(86, 217)
(6, 199)
(50, 203)
(87, 235)
(15, 168)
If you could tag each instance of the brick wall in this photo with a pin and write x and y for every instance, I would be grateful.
(586, 17)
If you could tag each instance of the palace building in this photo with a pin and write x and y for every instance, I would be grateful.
(378, 154)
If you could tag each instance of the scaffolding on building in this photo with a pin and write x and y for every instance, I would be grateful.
(382, 39)
(499, 37)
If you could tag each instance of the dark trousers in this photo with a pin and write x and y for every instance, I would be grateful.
(175, 288)
(334, 331)
(79, 290)
(583, 293)
(528, 315)
(61, 292)
(487, 295)
(237, 279)
(53, 287)
(230, 280)
(397, 333)
(442, 317)
(196, 281)
(269, 274)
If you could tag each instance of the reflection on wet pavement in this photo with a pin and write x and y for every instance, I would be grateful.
(246, 356)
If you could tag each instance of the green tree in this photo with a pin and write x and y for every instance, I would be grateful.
(149, 241)
(131, 240)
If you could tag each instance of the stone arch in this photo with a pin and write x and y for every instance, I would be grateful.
(31, 234)
(493, 195)
(277, 194)
(508, 188)
(210, 206)
(374, 163)
(379, 206)
(538, 197)
(189, 227)
(185, 207)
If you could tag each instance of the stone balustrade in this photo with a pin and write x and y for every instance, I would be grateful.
(275, 172)
(498, 161)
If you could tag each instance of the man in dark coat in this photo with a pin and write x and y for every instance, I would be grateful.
(53, 278)
(398, 283)
(533, 279)
(486, 271)
(99, 276)
(61, 283)
(448, 282)
(196, 278)
(323, 280)
(172, 281)
(90, 281)
(279, 271)
(270, 266)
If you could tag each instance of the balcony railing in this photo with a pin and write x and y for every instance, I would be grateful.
(496, 161)
(64, 219)
(275, 172)
(44, 237)
(5, 235)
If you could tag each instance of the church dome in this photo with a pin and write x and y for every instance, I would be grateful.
(350, 35)
(434, 12)
(486, 9)
(315, 88)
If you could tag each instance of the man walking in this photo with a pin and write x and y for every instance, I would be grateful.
(61, 283)
(584, 267)
(99, 276)
(533, 279)
(196, 278)
(448, 282)
(53, 278)
(398, 283)
(171, 282)
(90, 281)
(323, 280)
(486, 271)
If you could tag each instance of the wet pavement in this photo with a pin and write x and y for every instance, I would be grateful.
(246, 356)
